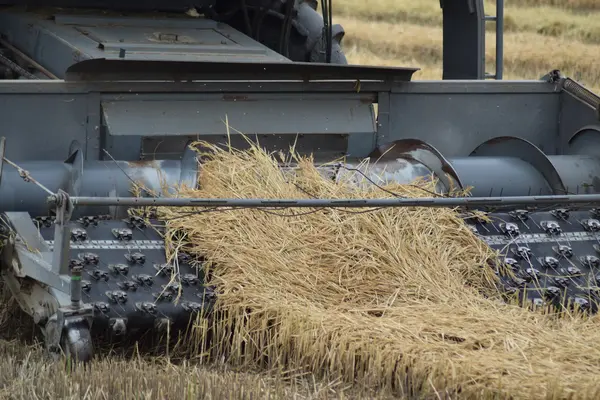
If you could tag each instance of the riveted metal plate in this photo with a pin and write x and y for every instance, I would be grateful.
(555, 256)
(127, 279)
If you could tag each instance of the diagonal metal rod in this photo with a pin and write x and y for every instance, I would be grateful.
(16, 67)
(28, 59)
(349, 203)
(26, 176)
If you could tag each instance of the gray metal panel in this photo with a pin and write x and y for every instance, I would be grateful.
(66, 112)
(233, 68)
(93, 127)
(464, 39)
(469, 86)
(456, 123)
(118, 88)
(383, 119)
(62, 105)
(268, 116)
(580, 174)
(31, 36)
(367, 88)
(128, 122)
(325, 147)
(60, 42)
(42, 127)
(157, 23)
(574, 115)
(501, 176)
(201, 40)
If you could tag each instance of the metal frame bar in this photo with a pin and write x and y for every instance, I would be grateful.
(2, 152)
(118, 70)
(42, 86)
(499, 39)
(346, 203)
(499, 19)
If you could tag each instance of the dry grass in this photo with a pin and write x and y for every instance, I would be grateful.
(395, 300)
(545, 20)
(538, 39)
(578, 5)
(26, 374)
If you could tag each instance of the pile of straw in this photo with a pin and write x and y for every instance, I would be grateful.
(392, 299)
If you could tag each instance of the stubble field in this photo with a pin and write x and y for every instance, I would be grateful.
(537, 38)
(540, 35)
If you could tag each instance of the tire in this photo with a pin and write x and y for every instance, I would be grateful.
(76, 343)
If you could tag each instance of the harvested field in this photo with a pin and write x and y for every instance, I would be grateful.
(25, 373)
(540, 36)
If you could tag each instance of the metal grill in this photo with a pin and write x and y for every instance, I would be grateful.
(126, 277)
(551, 257)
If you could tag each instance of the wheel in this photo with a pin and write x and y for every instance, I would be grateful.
(75, 346)
(76, 343)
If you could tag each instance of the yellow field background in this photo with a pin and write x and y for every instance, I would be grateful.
(540, 35)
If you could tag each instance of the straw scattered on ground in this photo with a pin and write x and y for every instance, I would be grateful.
(395, 299)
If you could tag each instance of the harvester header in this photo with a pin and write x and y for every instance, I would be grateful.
(101, 97)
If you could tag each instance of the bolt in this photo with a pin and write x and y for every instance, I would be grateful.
(54, 348)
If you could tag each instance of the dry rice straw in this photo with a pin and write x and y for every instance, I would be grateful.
(395, 299)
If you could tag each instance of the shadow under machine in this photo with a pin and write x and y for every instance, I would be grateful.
(97, 94)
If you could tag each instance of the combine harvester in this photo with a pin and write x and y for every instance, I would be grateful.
(98, 93)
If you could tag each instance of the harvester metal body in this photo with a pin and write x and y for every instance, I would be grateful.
(94, 100)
